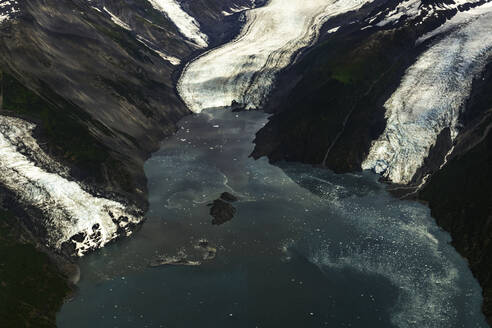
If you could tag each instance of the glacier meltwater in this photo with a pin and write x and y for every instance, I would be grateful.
(306, 248)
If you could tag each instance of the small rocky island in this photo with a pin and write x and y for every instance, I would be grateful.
(194, 256)
(221, 209)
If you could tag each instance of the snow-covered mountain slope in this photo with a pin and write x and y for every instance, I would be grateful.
(244, 69)
(432, 95)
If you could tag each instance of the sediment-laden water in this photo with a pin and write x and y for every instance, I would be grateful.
(306, 248)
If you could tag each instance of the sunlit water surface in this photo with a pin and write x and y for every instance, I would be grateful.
(307, 247)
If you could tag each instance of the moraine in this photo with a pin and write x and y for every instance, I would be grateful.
(306, 248)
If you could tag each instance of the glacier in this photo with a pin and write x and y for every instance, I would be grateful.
(244, 70)
(7, 10)
(432, 95)
(72, 216)
(413, 9)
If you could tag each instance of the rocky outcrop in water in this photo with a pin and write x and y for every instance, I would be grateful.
(221, 211)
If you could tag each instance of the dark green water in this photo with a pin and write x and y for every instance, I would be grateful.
(307, 248)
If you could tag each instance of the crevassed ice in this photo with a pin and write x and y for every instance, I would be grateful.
(431, 96)
(67, 208)
(7, 9)
(244, 69)
(412, 9)
(186, 24)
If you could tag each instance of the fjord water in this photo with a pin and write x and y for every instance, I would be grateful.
(307, 247)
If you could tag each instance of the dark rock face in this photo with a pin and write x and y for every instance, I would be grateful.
(222, 212)
(95, 75)
(105, 97)
(328, 108)
(460, 194)
(228, 197)
(102, 98)
(33, 285)
(335, 110)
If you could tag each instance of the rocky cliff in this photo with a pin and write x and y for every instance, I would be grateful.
(87, 93)
(400, 91)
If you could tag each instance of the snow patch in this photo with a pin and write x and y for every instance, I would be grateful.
(116, 20)
(186, 24)
(173, 60)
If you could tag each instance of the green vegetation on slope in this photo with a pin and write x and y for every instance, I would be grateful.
(337, 102)
(31, 287)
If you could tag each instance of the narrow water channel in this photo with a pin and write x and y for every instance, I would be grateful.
(306, 248)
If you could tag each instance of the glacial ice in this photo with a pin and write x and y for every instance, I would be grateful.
(244, 69)
(7, 9)
(186, 24)
(431, 95)
(411, 9)
(68, 209)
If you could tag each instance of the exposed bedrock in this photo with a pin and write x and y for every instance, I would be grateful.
(243, 71)
(87, 93)
(90, 92)
(339, 103)
(460, 193)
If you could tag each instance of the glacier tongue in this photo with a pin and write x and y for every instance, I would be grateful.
(73, 217)
(431, 96)
(244, 69)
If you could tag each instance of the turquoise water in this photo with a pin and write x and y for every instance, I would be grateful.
(307, 247)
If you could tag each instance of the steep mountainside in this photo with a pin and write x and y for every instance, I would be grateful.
(87, 93)
(395, 92)
(96, 77)
(88, 90)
